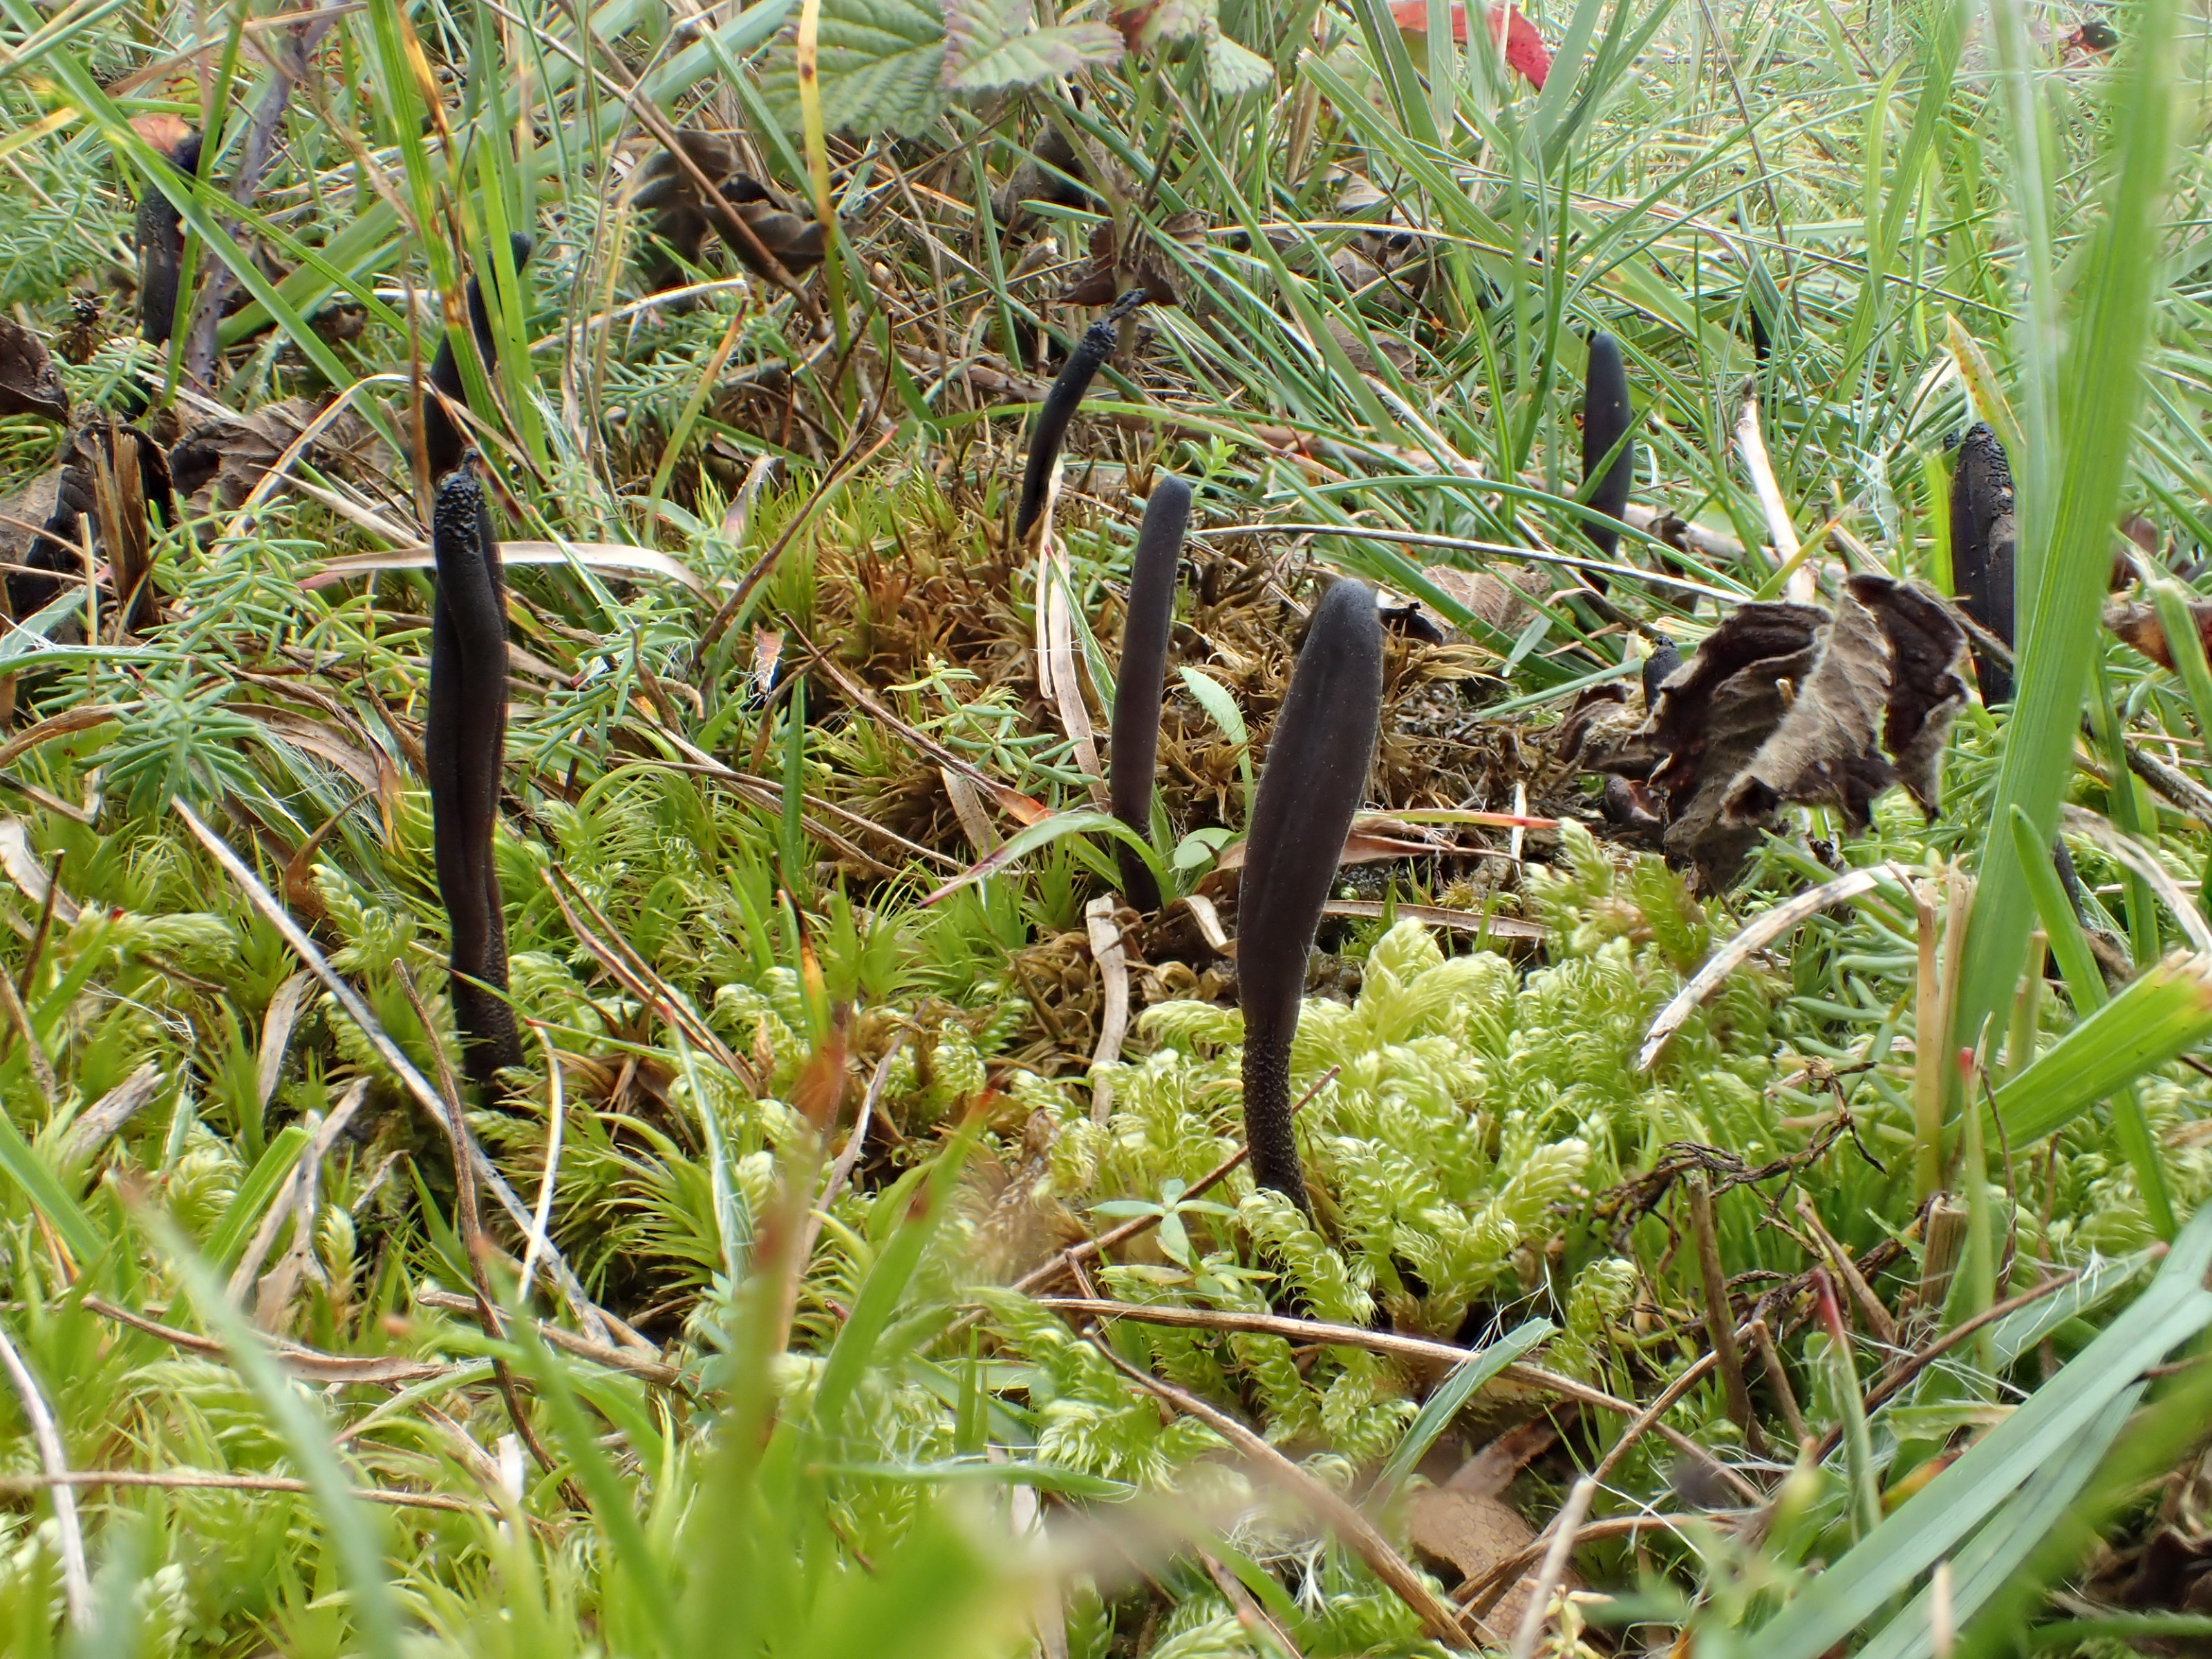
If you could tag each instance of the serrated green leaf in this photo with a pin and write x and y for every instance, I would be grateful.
(882, 66)
(1232, 69)
(1042, 55)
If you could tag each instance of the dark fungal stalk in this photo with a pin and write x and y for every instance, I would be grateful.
(1983, 534)
(1607, 424)
(1138, 685)
(161, 248)
(1059, 407)
(465, 745)
(1316, 774)
(443, 441)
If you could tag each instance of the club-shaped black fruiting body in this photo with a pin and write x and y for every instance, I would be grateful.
(1057, 409)
(161, 248)
(1143, 675)
(1608, 420)
(1316, 774)
(465, 745)
(1982, 541)
(443, 441)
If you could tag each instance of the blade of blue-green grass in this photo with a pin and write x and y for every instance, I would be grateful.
(1441, 1406)
(47, 1196)
(2150, 1447)
(1929, 1527)
(2019, 1332)
(2165, 1010)
(254, 1194)
(1081, 821)
(354, 1528)
(2102, 382)
(860, 1342)
(2007, 1538)
(2036, 328)
(613, 1505)
(790, 827)
(1566, 73)
(1221, 708)
(2077, 963)
(1393, 66)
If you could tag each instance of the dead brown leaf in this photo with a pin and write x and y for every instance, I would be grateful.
(29, 385)
(682, 216)
(220, 460)
(1114, 269)
(1784, 703)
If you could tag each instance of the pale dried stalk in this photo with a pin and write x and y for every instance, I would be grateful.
(1564, 1528)
(75, 1581)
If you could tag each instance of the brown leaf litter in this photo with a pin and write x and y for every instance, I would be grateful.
(1786, 704)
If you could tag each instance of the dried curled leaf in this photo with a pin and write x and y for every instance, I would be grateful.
(684, 215)
(2139, 627)
(29, 385)
(220, 460)
(1786, 704)
(1143, 263)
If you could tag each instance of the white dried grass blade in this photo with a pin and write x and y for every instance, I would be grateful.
(1113, 1022)
(1725, 961)
(1753, 442)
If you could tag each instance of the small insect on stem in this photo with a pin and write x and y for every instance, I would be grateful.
(465, 745)
(1609, 430)
(1137, 689)
(1057, 409)
(1316, 774)
(1982, 541)
(443, 441)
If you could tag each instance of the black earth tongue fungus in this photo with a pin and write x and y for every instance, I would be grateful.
(1983, 534)
(161, 248)
(1665, 659)
(1138, 686)
(1057, 409)
(443, 441)
(465, 745)
(1607, 419)
(1316, 774)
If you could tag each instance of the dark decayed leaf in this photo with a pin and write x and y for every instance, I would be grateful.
(1785, 704)
(2138, 626)
(1052, 173)
(29, 385)
(682, 216)
(1143, 263)
(221, 459)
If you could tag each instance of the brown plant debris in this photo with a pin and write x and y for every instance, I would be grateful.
(29, 385)
(2138, 626)
(1142, 262)
(1787, 704)
(682, 216)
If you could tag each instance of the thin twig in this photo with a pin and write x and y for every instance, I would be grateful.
(1910, 1365)
(658, 1373)
(203, 1479)
(841, 1171)
(75, 1580)
(1357, 1532)
(1565, 1526)
(1311, 1331)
